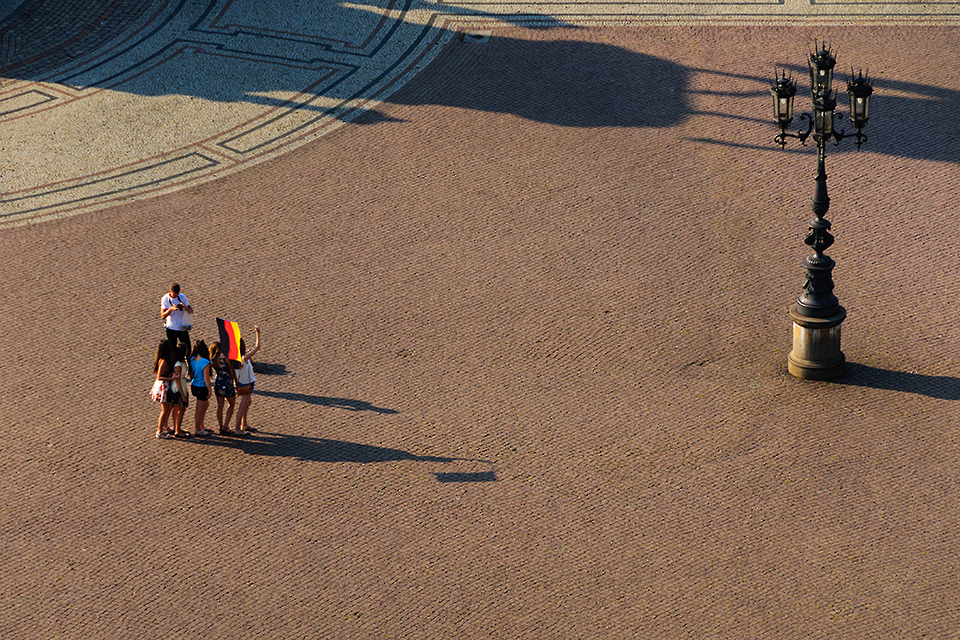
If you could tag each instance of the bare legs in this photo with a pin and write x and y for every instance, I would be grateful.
(178, 411)
(225, 424)
(199, 414)
(165, 411)
(242, 425)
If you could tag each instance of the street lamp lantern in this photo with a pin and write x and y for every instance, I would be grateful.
(817, 314)
(859, 89)
(823, 106)
(783, 91)
(821, 65)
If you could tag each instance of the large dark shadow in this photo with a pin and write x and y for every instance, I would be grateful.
(324, 401)
(39, 35)
(319, 449)
(940, 387)
(562, 82)
(270, 369)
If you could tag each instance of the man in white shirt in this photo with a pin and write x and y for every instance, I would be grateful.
(173, 310)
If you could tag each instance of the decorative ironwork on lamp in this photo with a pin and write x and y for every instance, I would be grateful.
(817, 313)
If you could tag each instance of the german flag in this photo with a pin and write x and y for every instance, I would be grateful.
(229, 338)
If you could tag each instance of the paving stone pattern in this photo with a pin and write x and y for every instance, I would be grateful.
(523, 373)
(41, 35)
(103, 103)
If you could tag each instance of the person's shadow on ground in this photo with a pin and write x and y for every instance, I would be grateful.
(331, 451)
(320, 449)
(324, 401)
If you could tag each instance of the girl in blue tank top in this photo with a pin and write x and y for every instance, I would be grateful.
(200, 384)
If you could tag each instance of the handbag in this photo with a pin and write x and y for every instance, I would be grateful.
(159, 391)
(187, 322)
(244, 389)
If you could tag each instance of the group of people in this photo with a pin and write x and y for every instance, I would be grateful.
(178, 366)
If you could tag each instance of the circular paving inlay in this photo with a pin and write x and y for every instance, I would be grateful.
(105, 102)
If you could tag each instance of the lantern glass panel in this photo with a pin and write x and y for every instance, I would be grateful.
(825, 80)
(821, 65)
(783, 92)
(783, 109)
(860, 90)
(823, 121)
(786, 107)
(859, 109)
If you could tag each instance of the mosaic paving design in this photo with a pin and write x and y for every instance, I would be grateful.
(107, 102)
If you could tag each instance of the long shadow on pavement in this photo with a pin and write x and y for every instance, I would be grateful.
(568, 83)
(561, 82)
(319, 449)
(323, 401)
(940, 387)
(565, 83)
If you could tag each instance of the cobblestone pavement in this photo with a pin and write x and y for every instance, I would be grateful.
(523, 373)
(106, 102)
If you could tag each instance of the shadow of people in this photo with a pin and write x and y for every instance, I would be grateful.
(320, 449)
(323, 401)
(269, 369)
(940, 387)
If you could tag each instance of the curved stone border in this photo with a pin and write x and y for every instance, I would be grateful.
(194, 90)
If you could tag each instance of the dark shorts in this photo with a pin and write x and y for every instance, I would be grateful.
(200, 393)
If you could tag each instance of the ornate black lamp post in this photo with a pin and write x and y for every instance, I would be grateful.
(817, 314)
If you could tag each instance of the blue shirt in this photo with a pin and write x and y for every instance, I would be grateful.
(196, 370)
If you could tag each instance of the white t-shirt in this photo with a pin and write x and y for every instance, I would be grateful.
(175, 319)
(245, 372)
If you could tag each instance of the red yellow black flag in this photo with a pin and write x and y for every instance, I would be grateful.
(229, 338)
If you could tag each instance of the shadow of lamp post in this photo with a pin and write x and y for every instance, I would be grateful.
(817, 314)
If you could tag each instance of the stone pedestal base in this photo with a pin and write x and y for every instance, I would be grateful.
(816, 351)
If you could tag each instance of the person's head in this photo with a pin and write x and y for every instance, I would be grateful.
(167, 353)
(182, 349)
(174, 290)
(243, 347)
(215, 353)
(200, 350)
(159, 356)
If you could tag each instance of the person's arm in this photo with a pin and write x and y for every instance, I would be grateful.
(256, 347)
(186, 304)
(207, 380)
(166, 310)
(160, 375)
